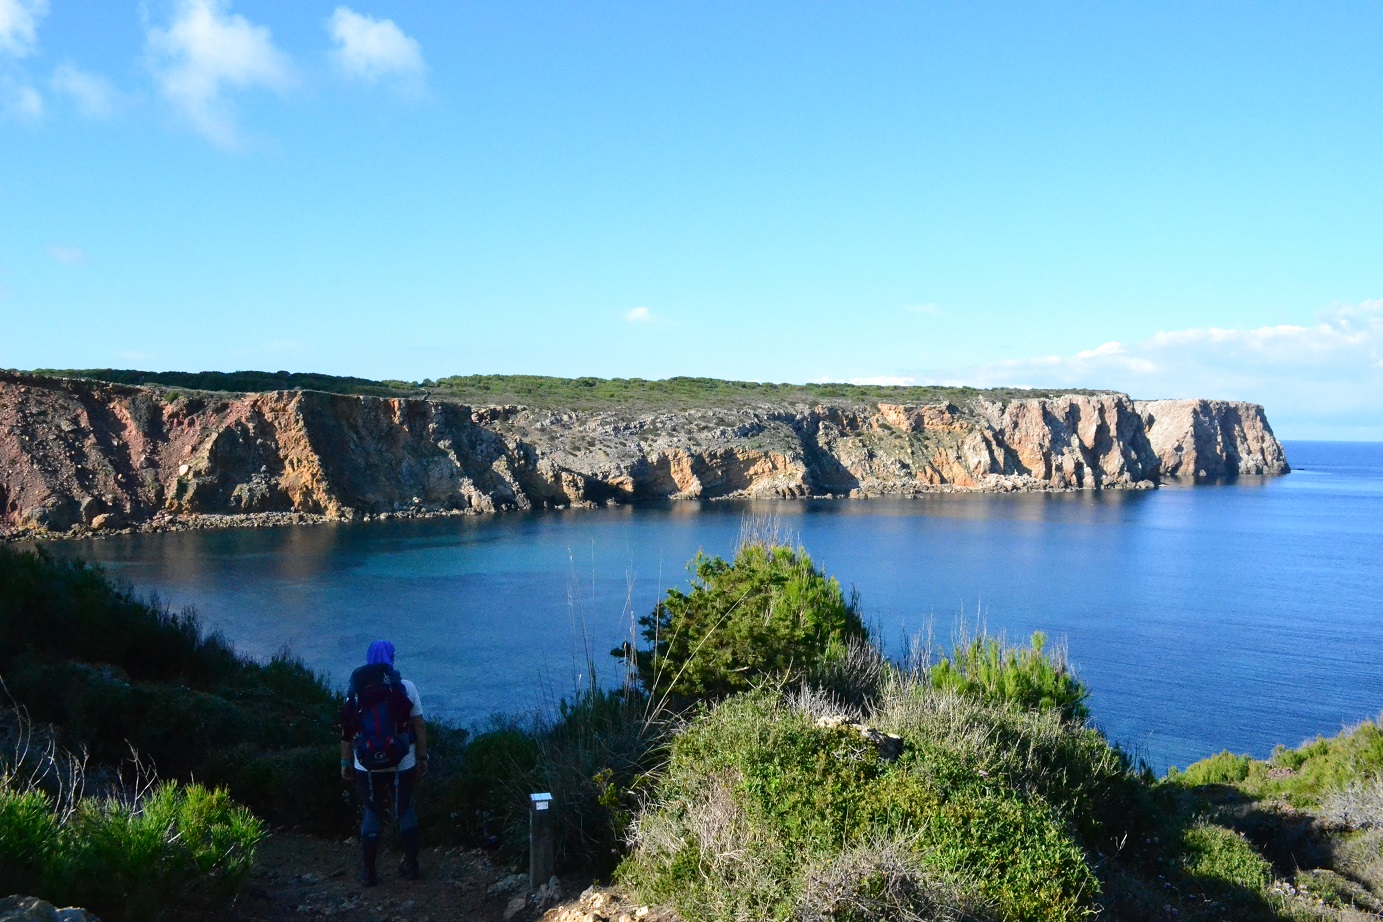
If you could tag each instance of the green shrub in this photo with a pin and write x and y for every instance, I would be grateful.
(757, 800)
(180, 849)
(1221, 858)
(1315, 771)
(1222, 768)
(475, 791)
(176, 850)
(1038, 753)
(1322, 766)
(593, 758)
(769, 614)
(994, 671)
(28, 830)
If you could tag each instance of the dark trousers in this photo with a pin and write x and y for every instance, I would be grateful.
(383, 793)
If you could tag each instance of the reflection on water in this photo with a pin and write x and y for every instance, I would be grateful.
(1237, 615)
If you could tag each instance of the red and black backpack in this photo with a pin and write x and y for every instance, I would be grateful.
(376, 717)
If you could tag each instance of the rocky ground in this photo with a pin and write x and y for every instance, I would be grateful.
(304, 877)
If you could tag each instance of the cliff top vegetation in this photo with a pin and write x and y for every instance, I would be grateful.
(564, 393)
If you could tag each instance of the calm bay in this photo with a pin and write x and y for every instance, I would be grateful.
(1217, 616)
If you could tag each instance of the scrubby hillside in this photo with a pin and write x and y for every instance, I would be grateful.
(823, 782)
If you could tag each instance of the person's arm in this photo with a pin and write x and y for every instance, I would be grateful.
(420, 744)
(347, 761)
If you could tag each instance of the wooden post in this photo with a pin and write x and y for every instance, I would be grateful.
(541, 839)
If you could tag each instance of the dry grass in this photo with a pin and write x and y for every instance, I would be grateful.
(882, 879)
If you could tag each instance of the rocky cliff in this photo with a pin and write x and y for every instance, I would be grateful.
(78, 454)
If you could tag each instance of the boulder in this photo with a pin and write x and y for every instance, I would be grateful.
(33, 909)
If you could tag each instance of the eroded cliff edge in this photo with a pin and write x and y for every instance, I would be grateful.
(78, 454)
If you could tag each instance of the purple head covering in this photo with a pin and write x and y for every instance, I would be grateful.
(381, 651)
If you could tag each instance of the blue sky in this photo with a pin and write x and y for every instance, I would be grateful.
(1169, 199)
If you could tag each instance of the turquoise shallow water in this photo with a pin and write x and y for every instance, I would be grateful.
(1229, 616)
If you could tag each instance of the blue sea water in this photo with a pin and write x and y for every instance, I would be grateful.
(1231, 616)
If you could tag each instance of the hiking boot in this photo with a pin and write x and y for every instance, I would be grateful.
(369, 851)
(408, 869)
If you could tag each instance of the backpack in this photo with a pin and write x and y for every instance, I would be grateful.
(376, 715)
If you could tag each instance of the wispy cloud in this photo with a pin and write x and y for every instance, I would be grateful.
(19, 21)
(374, 50)
(1343, 339)
(68, 256)
(204, 52)
(23, 99)
(1317, 380)
(93, 94)
(639, 315)
(925, 310)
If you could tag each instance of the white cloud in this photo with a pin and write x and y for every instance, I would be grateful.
(639, 315)
(26, 101)
(68, 256)
(206, 51)
(94, 95)
(372, 50)
(19, 25)
(1316, 380)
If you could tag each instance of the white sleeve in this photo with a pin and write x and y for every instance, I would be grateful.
(413, 696)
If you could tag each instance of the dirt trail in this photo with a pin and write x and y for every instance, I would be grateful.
(304, 877)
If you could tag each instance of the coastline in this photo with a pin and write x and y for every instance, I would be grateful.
(81, 457)
(170, 523)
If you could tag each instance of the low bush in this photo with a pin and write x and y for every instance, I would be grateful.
(758, 802)
(1222, 768)
(994, 671)
(1317, 769)
(139, 850)
(28, 831)
(769, 614)
(1224, 864)
(177, 851)
(594, 758)
(1092, 785)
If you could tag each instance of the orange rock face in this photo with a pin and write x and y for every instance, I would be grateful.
(78, 455)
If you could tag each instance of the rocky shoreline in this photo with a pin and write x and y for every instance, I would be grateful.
(79, 457)
(164, 523)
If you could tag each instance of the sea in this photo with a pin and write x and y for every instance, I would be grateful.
(1235, 616)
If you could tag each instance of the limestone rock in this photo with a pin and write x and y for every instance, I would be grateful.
(889, 747)
(602, 904)
(31, 909)
(1211, 438)
(80, 454)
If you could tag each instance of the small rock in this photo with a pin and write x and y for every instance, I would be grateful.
(32, 909)
(506, 884)
(517, 905)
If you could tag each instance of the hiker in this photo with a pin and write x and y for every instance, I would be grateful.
(384, 747)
